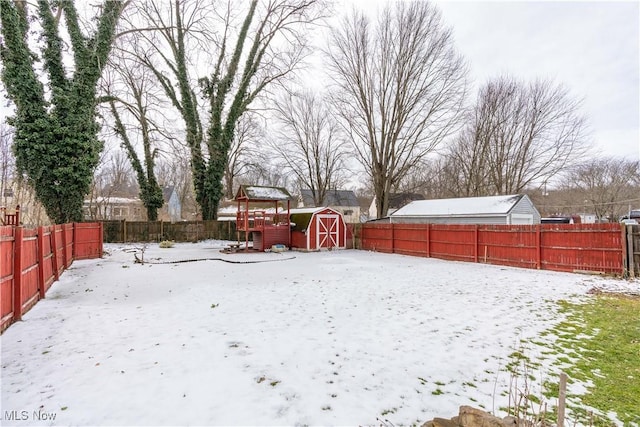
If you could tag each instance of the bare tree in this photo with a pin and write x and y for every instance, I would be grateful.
(116, 177)
(136, 108)
(14, 189)
(169, 37)
(173, 170)
(310, 143)
(245, 152)
(517, 135)
(107, 182)
(271, 43)
(606, 185)
(253, 49)
(399, 89)
(434, 179)
(7, 163)
(267, 173)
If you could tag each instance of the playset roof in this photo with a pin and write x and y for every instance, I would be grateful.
(256, 193)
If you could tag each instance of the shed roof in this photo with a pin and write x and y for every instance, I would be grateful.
(305, 210)
(311, 210)
(256, 193)
(331, 198)
(301, 217)
(492, 205)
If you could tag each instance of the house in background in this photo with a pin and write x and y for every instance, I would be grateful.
(228, 210)
(131, 208)
(172, 208)
(19, 193)
(509, 210)
(396, 201)
(114, 208)
(343, 201)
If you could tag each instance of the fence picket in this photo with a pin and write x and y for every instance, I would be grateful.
(562, 247)
(26, 280)
(41, 277)
(17, 274)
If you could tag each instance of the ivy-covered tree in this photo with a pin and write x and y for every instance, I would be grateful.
(131, 95)
(248, 56)
(56, 143)
(238, 78)
(150, 191)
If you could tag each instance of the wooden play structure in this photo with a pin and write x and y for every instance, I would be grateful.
(262, 214)
(10, 218)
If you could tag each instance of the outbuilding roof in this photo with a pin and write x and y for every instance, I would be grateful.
(301, 217)
(306, 210)
(492, 205)
(331, 198)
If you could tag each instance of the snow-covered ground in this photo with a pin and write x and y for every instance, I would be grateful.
(332, 338)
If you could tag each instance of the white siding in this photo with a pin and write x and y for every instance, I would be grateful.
(521, 219)
(525, 206)
(498, 219)
(497, 210)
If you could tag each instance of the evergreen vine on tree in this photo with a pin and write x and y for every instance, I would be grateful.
(150, 191)
(56, 143)
(264, 49)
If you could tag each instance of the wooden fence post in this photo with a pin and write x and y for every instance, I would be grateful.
(538, 248)
(69, 243)
(54, 248)
(630, 251)
(124, 231)
(74, 243)
(625, 255)
(64, 246)
(17, 273)
(40, 249)
(101, 233)
(393, 237)
(475, 246)
(562, 397)
(429, 240)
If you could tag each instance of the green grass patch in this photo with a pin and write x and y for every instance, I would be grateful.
(600, 343)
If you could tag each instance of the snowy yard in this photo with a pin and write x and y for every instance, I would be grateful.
(331, 338)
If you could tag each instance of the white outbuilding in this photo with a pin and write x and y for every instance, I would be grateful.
(509, 210)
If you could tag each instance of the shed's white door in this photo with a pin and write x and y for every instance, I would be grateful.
(521, 219)
(327, 229)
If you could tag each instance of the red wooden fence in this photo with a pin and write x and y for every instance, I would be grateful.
(32, 259)
(561, 247)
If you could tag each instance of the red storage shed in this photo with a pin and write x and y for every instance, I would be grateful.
(318, 228)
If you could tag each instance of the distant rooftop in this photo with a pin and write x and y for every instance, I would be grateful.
(460, 206)
(331, 198)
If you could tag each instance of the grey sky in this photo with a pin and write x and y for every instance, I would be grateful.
(590, 47)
